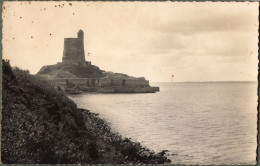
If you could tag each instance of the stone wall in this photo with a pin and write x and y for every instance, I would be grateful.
(124, 82)
(96, 82)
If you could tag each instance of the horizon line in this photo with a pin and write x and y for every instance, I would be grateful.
(200, 81)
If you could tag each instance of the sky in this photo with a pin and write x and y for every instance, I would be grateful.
(192, 41)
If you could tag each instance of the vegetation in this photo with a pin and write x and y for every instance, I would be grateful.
(41, 125)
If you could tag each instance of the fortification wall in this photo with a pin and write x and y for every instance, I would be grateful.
(124, 82)
(93, 82)
(105, 86)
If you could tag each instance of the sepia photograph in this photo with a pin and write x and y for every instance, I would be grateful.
(87, 82)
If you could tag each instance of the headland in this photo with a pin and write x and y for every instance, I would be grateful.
(75, 75)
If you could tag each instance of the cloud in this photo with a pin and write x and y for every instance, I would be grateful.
(204, 19)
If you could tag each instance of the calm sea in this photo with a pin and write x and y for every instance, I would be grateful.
(199, 123)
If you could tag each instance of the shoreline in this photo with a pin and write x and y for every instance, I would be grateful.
(124, 144)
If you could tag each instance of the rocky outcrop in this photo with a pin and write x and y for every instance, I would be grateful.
(40, 125)
(77, 79)
(63, 70)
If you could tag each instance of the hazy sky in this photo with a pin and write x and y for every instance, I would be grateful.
(194, 41)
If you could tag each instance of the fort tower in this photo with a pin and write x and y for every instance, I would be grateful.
(73, 52)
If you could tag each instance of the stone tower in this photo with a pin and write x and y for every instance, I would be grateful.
(73, 52)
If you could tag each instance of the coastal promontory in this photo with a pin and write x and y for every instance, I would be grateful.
(75, 75)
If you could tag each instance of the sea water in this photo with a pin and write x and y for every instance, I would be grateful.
(198, 123)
